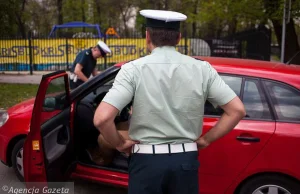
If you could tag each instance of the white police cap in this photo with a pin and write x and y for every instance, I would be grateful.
(163, 19)
(102, 46)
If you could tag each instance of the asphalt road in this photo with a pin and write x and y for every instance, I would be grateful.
(7, 177)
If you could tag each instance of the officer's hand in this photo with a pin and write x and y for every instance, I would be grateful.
(126, 147)
(202, 143)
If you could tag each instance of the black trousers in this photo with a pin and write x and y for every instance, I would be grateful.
(164, 173)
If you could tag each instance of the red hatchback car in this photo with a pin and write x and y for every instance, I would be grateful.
(261, 155)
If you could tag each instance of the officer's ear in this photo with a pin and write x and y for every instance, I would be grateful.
(179, 38)
(148, 39)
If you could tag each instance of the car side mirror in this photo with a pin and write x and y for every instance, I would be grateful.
(49, 104)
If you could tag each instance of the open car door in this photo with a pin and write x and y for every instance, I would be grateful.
(48, 149)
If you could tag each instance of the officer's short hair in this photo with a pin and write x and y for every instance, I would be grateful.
(163, 37)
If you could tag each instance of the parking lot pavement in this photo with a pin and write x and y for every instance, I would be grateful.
(30, 79)
(7, 177)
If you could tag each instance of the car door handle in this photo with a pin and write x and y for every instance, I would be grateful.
(248, 139)
(63, 136)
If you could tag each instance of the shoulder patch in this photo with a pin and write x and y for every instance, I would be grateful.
(87, 53)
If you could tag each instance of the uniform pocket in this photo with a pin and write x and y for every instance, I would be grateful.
(188, 177)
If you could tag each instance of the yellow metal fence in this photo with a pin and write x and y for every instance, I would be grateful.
(58, 54)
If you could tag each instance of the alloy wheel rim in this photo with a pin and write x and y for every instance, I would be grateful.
(271, 189)
(19, 159)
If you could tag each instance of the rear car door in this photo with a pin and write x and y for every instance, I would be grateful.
(226, 158)
(286, 104)
(48, 149)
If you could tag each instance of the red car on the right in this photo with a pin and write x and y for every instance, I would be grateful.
(265, 145)
(259, 156)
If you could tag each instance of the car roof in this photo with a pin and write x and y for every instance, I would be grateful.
(254, 68)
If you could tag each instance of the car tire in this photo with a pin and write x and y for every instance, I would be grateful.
(17, 159)
(268, 183)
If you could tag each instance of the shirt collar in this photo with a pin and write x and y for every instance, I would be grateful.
(163, 48)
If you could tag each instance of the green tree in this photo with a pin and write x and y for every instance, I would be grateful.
(8, 26)
(206, 18)
(274, 11)
(13, 17)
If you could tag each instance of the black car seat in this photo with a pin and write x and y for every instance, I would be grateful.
(87, 134)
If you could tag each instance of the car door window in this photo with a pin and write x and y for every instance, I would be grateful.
(285, 99)
(235, 83)
(254, 101)
(55, 95)
(55, 100)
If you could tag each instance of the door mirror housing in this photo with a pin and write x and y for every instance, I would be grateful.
(50, 104)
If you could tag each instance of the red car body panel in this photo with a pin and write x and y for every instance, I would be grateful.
(105, 176)
(227, 158)
(285, 143)
(34, 164)
(22, 114)
(252, 158)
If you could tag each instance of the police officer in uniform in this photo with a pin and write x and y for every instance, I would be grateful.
(85, 64)
(169, 90)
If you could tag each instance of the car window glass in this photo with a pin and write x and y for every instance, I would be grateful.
(55, 100)
(254, 101)
(55, 95)
(56, 87)
(286, 101)
(235, 83)
(96, 96)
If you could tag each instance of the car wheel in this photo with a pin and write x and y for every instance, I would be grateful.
(17, 159)
(269, 184)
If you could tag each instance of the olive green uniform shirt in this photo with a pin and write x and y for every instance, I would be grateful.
(169, 91)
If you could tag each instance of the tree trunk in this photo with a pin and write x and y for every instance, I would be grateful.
(82, 13)
(21, 25)
(166, 4)
(291, 41)
(97, 19)
(19, 21)
(232, 27)
(59, 15)
(153, 4)
(158, 4)
(125, 26)
(194, 24)
(59, 12)
(124, 20)
(210, 31)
